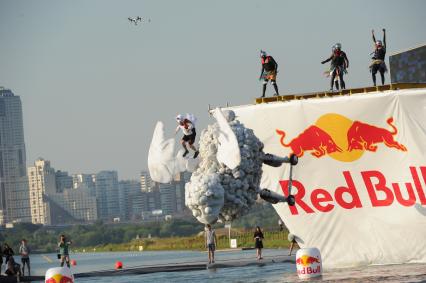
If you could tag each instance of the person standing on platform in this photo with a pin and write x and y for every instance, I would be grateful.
(8, 252)
(339, 65)
(378, 63)
(63, 247)
(24, 250)
(269, 72)
(211, 242)
(1, 258)
(258, 244)
(292, 239)
(281, 224)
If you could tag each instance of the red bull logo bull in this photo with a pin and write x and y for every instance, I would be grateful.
(341, 138)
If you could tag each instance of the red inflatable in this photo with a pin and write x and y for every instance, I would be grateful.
(118, 265)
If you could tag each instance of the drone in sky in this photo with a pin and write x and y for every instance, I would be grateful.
(136, 20)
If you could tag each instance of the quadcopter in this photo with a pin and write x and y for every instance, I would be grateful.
(135, 20)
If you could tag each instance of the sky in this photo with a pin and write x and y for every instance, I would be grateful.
(93, 85)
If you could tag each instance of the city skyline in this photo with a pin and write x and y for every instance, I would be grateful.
(93, 85)
(57, 198)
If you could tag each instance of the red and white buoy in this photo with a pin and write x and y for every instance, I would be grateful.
(308, 263)
(59, 275)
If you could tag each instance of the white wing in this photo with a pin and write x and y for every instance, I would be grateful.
(161, 158)
(228, 151)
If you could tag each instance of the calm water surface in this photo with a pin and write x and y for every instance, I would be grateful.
(279, 272)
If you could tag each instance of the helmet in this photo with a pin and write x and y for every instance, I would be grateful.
(338, 46)
(262, 53)
(379, 43)
(179, 118)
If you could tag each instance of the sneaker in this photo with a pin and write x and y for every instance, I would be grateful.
(185, 153)
(196, 154)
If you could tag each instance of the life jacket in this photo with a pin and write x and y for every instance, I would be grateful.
(268, 63)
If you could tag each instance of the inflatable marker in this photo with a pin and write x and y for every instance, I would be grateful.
(59, 275)
(308, 263)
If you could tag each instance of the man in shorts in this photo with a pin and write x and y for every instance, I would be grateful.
(211, 242)
(269, 72)
(188, 128)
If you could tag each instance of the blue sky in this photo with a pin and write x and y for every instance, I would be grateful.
(93, 85)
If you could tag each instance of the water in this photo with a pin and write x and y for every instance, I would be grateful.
(279, 272)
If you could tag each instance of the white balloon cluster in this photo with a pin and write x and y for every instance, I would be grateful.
(216, 192)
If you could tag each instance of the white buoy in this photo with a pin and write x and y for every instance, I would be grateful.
(308, 263)
(59, 275)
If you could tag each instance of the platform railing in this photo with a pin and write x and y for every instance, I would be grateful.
(350, 91)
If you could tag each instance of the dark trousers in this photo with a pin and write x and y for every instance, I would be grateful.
(26, 261)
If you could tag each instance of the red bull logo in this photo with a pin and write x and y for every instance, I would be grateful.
(59, 275)
(60, 279)
(341, 138)
(308, 263)
(306, 260)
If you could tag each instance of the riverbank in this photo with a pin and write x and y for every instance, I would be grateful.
(273, 240)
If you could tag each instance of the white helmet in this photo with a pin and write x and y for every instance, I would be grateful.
(338, 46)
(179, 118)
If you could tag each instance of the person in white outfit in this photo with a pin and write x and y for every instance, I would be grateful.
(188, 128)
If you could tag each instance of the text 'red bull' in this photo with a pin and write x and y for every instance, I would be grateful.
(308, 265)
(374, 181)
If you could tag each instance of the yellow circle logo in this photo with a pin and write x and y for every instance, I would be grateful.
(337, 126)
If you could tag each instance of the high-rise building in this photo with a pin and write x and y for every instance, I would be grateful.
(154, 198)
(107, 195)
(168, 198)
(85, 181)
(54, 201)
(179, 183)
(146, 182)
(134, 201)
(78, 203)
(63, 181)
(42, 182)
(14, 195)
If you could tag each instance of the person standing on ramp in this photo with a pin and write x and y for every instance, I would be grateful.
(378, 63)
(269, 72)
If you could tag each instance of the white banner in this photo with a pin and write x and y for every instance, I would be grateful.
(360, 185)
